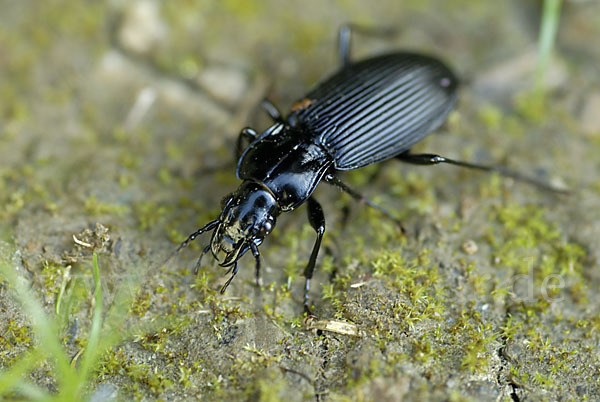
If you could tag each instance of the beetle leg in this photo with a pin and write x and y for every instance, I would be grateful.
(316, 218)
(344, 44)
(199, 262)
(256, 255)
(432, 159)
(345, 34)
(331, 179)
(248, 135)
(233, 273)
(272, 111)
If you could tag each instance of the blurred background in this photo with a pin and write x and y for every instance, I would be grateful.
(118, 121)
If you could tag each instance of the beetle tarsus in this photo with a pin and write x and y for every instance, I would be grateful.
(256, 255)
(306, 304)
(199, 262)
(316, 218)
(233, 273)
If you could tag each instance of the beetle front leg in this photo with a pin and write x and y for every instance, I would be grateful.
(256, 255)
(316, 218)
(233, 274)
(199, 262)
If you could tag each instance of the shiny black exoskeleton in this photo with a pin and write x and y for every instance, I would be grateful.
(367, 112)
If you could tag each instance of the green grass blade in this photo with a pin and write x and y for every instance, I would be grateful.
(548, 29)
(92, 351)
(13, 376)
(44, 327)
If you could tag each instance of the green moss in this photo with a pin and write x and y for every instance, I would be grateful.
(14, 203)
(93, 206)
(527, 244)
(417, 194)
(532, 106)
(15, 334)
(418, 279)
(142, 304)
(423, 351)
(149, 214)
(478, 349)
(143, 377)
(491, 116)
(52, 274)
(242, 8)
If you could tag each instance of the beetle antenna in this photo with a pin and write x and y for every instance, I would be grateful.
(209, 226)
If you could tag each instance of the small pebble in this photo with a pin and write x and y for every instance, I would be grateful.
(469, 247)
(142, 28)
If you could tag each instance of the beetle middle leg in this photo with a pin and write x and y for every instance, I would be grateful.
(433, 159)
(316, 218)
(272, 111)
(246, 136)
(331, 179)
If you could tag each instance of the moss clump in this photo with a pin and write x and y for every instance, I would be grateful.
(95, 207)
(527, 246)
(144, 378)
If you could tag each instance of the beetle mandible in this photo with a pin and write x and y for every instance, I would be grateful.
(366, 112)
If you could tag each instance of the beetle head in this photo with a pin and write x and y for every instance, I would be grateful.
(248, 216)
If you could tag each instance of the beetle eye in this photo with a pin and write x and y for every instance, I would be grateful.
(268, 227)
(265, 229)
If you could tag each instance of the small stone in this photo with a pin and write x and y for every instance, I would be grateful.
(227, 84)
(469, 247)
(142, 27)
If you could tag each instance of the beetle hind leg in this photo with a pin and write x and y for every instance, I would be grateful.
(433, 159)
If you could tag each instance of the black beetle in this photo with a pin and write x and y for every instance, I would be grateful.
(366, 112)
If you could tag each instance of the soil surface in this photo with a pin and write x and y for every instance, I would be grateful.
(118, 123)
